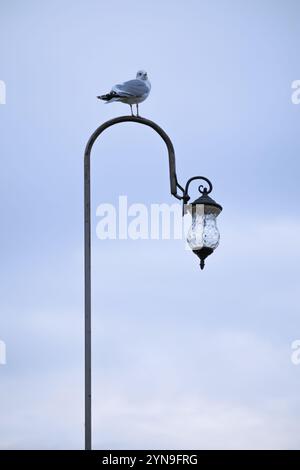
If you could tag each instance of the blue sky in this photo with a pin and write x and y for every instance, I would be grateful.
(181, 358)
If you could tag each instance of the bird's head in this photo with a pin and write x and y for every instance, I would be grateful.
(142, 75)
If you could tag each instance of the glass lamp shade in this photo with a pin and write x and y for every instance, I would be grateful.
(203, 236)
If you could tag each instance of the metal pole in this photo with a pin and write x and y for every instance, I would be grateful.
(174, 185)
(87, 305)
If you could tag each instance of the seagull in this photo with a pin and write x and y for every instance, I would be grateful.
(131, 92)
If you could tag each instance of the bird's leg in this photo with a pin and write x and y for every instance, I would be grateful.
(131, 109)
(137, 110)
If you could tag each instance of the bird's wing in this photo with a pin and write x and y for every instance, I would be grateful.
(131, 88)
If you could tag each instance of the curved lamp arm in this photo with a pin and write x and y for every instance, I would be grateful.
(201, 188)
(174, 185)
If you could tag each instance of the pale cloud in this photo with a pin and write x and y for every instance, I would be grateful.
(192, 423)
(157, 401)
(170, 369)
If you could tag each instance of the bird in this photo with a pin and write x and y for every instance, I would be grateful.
(131, 92)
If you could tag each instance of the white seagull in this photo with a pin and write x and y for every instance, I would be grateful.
(131, 92)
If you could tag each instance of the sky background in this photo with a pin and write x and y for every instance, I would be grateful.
(182, 359)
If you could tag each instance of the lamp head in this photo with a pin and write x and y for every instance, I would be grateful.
(203, 236)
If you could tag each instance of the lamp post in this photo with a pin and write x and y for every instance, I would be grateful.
(203, 236)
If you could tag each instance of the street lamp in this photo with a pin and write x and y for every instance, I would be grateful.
(203, 236)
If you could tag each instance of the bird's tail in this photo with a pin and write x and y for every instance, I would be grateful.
(108, 97)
